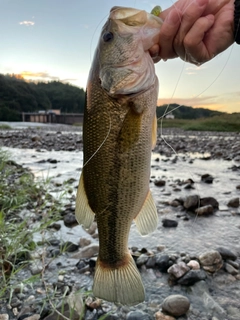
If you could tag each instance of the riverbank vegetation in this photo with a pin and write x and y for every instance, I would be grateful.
(20, 195)
(221, 123)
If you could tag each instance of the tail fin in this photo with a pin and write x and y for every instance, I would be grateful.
(121, 284)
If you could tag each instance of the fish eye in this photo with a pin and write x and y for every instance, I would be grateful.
(108, 36)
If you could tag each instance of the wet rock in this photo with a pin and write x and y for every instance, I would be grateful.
(194, 265)
(92, 303)
(230, 269)
(70, 220)
(175, 203)
(206, 210)
(30, 317)
(211, 261)
(192, 277)
(36, 268)
(54, 253)
(176, 305)
(234, 203)
(163, 262)
(138, 315)
(189, 186)
(209, 201)
(56, 226)
(238, 187)
(54, 242)
(161, 316)
(15, 302)
(235, 264)
(226, 254)
(191, 202)
(87, 252)
(151, 262)
(53, 161)
(178, 270)
(207, 178)
(168, 223)
(141, 260)
(92, 228)
(160, 183)
(69, 247)
(83, 242)
(36, 138)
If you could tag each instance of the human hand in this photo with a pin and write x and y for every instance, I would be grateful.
(195, 31)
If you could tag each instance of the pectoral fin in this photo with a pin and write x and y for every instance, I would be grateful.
(147, 219)
(83, 212)
(154, 132)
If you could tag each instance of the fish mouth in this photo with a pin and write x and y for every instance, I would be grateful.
(129, 16)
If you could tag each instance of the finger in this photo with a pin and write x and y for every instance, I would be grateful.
(167, 33)
(189, 16)
(195, 49)
(214, 6)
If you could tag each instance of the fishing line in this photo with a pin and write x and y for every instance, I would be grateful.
(104, 140)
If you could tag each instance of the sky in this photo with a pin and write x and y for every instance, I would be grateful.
(56, 39)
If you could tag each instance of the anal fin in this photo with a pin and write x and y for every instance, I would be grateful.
(121, 284)
(147, 219)
(83, 212)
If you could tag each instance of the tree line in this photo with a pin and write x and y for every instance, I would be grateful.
(17, 96)
(185, 112)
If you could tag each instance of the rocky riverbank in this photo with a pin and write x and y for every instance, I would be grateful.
(185, 284)
(217, 145)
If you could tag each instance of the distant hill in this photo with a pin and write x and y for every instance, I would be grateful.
(17, 96)
(185, 112)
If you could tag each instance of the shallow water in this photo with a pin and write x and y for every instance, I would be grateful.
(193, 236)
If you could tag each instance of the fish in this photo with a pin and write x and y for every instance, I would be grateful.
(119, 133)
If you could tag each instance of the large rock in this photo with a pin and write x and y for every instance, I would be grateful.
(192, 277)
(138, 315)
(161, 316)
(194, 265)
(211, 261)
(207, 178)
(178, 269)
(234, 203)
(162, 262)
(87, 252)
(209, 201)
(176, 305)
(169, 223)
(206, 210)
(226, 254)
(191, 202)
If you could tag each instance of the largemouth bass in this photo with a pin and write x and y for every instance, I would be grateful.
(119, 132)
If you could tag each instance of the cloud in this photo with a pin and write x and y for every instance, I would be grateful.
(194, 102)
(43, 76)
(194, 69)
(227, 102)
(38, 75)
(27, 23)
